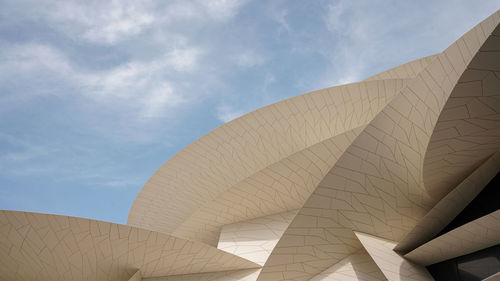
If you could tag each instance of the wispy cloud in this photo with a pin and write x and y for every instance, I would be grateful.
(161, 97)
(375, 33)
(280, 17)
(226, 113)
(21, 150)
(109, 22)
(21, 155)
(335, 13)
(101, 93)
(24, 59)
(102, 21)
(138, 85)
(145, 86)
(268, 80)
(183, 59)
(249, 58)
(356, 33)
(119, 183)
(142, 87)
(222, 9)
(26, 158)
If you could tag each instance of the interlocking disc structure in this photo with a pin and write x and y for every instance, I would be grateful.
(364, 181)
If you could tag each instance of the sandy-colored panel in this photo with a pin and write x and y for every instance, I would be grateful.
(254, 239)
(373, 157)
(237, 275)
(376, 186)
(237, 150)
(468, 238)
(404, 71)
(394, 266)
(450, 206)
(280, 187)
(468, 128)
(136, 277)
(356, 267)
(41, 247)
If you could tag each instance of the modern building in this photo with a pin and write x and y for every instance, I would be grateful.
(391, 178)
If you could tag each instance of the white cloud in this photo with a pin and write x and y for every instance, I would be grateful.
(371, 34)
(34, 69)
(24, 151)
(104, 22)
(142, 87)
(32, 57)
(69, 162)
(161, 97)
(249, 58)
(226, 113)
(178, 10)
(280, 18)
(268, 80)
(183, 59)
(109, 22)
(18, 160)
(358, 33)
(334, 17)
(222, 9)
(145, 85)
(119, 183)
(119, 82)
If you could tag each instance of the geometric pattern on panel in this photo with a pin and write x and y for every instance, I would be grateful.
(136, 277)
(450, 206)
(476, 235)
(254, 239)
(377, 185)
(296, 138)
(350, 182)
(235, 275)
(394, 266)
(358, 266)
(468, 128)
(404, 71)
(280, 187)
(51, 247)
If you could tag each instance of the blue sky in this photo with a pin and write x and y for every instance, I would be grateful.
(97, 95)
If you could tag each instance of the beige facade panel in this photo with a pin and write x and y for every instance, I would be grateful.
(50, 247)
(236, 275)
(356, 267)
(254, 239)
(468, 128)
(136, 277)
(280, 187)
(473, 236)
(394, 266)
(376, 186)
(450, 206)
(404, 71)
(322, 186)
(235, 151)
